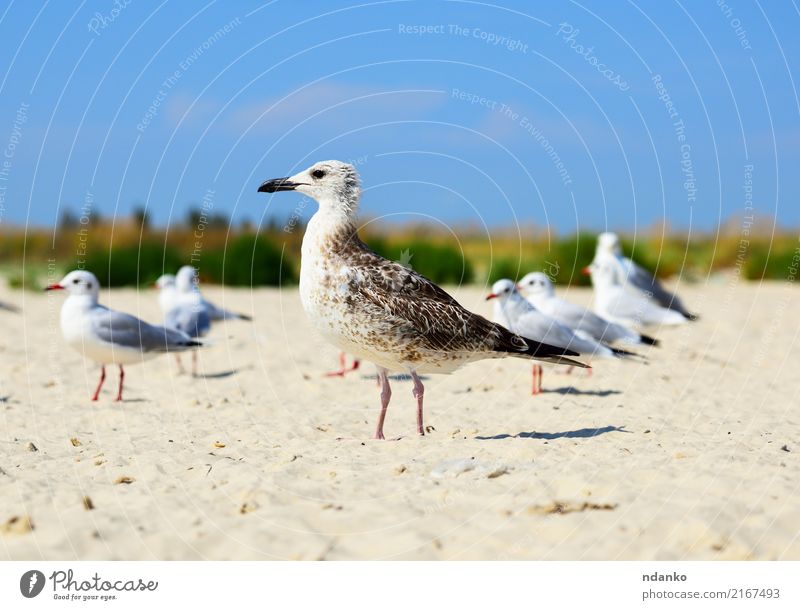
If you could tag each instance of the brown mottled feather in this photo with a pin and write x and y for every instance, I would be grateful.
(423, 317)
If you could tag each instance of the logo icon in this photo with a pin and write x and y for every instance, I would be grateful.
(405, 258)
(31, 583)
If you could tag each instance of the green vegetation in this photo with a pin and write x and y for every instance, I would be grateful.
(132, 252)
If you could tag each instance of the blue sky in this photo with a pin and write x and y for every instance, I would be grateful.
(568, 115)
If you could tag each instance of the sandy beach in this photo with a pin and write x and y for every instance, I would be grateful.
(693, 455)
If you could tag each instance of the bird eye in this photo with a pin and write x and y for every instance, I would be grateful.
(318, 173)
(76, 281)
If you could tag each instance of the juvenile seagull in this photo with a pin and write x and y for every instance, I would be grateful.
(379, 310)
(635, 277)
(521, 317)
(537, 288)
(614, 302)
(107, 336)
(185, 313)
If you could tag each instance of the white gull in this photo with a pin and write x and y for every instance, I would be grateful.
(187, 284)
(537, 288)
(613, 301)
(107, 336)
(521, 317)
(635, 277)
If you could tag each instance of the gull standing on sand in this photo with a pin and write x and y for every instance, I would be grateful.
(379, 310)
(521, 317)
(635, 277)
(184, 313)
(614, 302)
(107, 336)
(537, 288)
(187, 283)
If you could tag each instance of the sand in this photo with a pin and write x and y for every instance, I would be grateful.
(693, 455)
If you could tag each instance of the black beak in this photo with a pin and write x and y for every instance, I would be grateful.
(278, 184)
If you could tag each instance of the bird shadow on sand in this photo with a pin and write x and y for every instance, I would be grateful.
(549, 436)
(567, 390)
(219, 375)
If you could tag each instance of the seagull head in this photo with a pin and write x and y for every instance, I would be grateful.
(609, 243)
(333, 184)
(535, 284)
(186, 279)
(78, 283)
(166, 281)
(502, 290)
(604, 272)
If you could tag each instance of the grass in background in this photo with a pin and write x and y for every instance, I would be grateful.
(130, 252)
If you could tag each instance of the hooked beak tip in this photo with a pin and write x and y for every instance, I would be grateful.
(277, 184)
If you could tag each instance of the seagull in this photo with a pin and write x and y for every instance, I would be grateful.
(380, 311)
(187, 284)
(635, 277)
(614, 302)
(167, 292)
(537, 288)
(521, 317)
(183, 312)
(107, 336)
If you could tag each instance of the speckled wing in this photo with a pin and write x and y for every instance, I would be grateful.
(424, 318)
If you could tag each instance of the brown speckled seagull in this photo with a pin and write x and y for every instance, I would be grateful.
(381, 311)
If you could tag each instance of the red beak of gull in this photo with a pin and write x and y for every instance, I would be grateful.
(585, 271)
(491, 296)
(54, 287)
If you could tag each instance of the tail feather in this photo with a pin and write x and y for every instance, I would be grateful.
(647, 340)
(550, 353)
